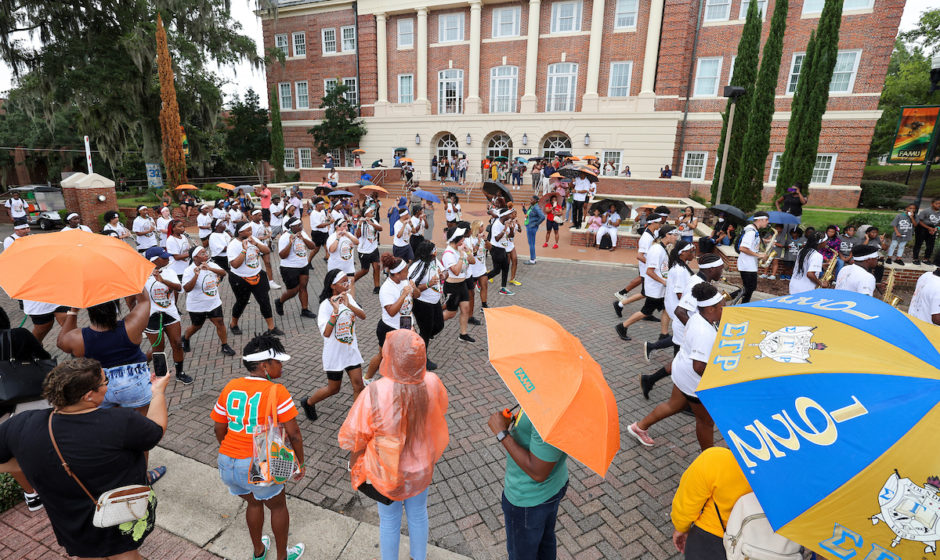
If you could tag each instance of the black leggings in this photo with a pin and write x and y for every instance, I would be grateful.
(429, 318)
(500, 264)
(222, 262)
(749, 279)
(243, 292)
(921, 235)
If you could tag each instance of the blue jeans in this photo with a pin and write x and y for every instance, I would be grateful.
(390, 527)
(530, 531)
(530, 233)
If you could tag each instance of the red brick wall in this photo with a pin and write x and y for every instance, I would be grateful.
(491, 54)
(368, 64)
(86, 203)
(621, 46)
(401, 61)
(678, 188)
(440, 58)
(575, 48)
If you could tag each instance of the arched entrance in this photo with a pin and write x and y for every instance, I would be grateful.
(555, 142)
(499, 145)
(446, 146)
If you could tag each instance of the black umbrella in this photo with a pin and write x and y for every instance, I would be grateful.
(730, 211)
(563, 153)
(495, 188)
(455, 190)
(604, 205)
(569, 172)
(322, 189)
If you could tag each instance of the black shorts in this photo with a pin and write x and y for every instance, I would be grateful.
(47, 318)
(403, 252)
(266, 215)
(319, 238)
(338, 375)
(652, 305)
(454, 293)
(153, 324)
(366, 260)
(691, 399)
(551, 225)
(198, 318)
(381, 330)
(291, 275)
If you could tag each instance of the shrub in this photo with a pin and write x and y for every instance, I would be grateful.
(694, 195)
(881, 194)
(64, 213)
(10, 492)
(210, 194)
(881, 221)
(121, 217)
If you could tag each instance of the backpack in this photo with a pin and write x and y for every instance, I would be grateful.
(748, 535)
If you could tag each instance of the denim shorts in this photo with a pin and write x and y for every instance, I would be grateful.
(128, 386)
(234, 473)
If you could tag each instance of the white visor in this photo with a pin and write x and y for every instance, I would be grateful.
(244, 227)
(266, 355)
(713, 264)
(70, 216)
(459, 232)
(711, 301)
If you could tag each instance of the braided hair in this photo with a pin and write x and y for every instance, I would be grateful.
(812, 242)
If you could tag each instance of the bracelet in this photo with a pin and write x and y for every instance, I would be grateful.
(331, 323)
(71, 313)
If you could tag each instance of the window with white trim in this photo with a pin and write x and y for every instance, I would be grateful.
(816, 6)
(406, 33)
(289, 161)
(349, 38)
(306, 158)
(734, 58)
(504, 83)
(406, 88)
(450, 92)
(775, 167)
(796, 66)
(625, 14)
(693, 165)
(822, 170)
(329, 84)
(329, 40)
(619, 85)
(566, 17)
(280, 42)
(284, 94)
(352, 90)
(613, 157)
(300, 44)
(717, 10)
(562, 81)
(706, 77)
(746, 4)
(450, 27)
(506, 21)
(555, 143)
(843, 75)
(303, 99)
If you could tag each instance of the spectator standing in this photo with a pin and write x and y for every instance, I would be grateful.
(264, 194)
(533, 219)
(792, 201)
(903, 225)
(748, 255)
(926, 231)
(581, 188)
(16, 207)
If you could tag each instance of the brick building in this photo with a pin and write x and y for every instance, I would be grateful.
(637, 83)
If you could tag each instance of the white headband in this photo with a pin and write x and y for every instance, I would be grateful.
(197, 250)
(711, 301)
(139, 208)
(866, 257)
(655, 220)
(24, 225)
(401, 266)
(256, 212)
(70, 216)
(403, 212)
(713, 264)
(459, 232)
(266, 355)
(244, 227)
(688, 247)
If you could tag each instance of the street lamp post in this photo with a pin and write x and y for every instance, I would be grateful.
(732, 93)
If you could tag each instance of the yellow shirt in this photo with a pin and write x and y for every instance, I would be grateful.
(714, 477)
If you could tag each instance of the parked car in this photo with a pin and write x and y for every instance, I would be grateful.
(44, 203)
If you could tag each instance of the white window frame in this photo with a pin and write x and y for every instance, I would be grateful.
(552, 86)
(627, 10)
(775, 167)
(352, 32)
(717, 10)
(500, 74)
(734, 59)
(578, 8)
(791, 83)
(610, 79)
(306, 157)
(302, 51)
(303, 102)
(515, 19)
(554, 143)
(410, 33)
(685, 165)
(815, 7)
(325, 42)
(618, 161)
(281, 42)
(447, 22)
(698, 71)
(444, 77)
(329, 84)
(854, 74)
(282, 88)
(352, 94)
(745, 4)
(290, 161)
(411, 87)
(829, 174)
(869, 4)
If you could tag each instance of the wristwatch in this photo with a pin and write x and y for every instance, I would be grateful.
(502, 435)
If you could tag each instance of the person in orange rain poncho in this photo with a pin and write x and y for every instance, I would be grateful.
(396, 431)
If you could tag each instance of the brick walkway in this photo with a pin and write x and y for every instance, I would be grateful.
(625, 515)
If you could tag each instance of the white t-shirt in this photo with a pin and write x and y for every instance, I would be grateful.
(690, 304)
(79, 228)
(335, 215)
(432, 277)
(38, 307)
(799, 282)
(658, 261)
(751, 240)
(235, 215)
(342, 257)
(417, 226)
(161, 297)
(699, 338)
(205, 293)
(452, 212)
(389, 294)
(298, 205)
(144, 240)
(368, 238)
(257, 229)
(926, 300)
(854, 278)
(642, 248)
(341, 348)
(478, 268)
(297, 257)
(581, 188)
(162, 225)
(177, 246)
(252, 263)
(318, 221)
(451, 257)
(204, 222)
(218, 244)
(9, 240)
(17, 207)
(676, 284)
(277, 214)
(219, 214)
(405, 236)
(498, 228)
(119, 229)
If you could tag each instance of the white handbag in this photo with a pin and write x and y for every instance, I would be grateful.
(114, 507)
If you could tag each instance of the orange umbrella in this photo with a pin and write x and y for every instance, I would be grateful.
(556, 175)
(375, 188)
(557, 383)
(359, 151)
(186, 187)
(589, 170)
(574, 158)
(406, 159)
(73, 268)
(226, 186)
(588, 157)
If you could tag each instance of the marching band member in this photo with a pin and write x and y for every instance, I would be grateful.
(857, 277)
(808, 265)
(654, 284)
(925, 304)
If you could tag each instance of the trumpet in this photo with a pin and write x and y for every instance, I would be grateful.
(830, 271)
(889, 296)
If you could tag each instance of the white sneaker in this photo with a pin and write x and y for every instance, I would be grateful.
(274, 285)
(771, 277)
(762, 276)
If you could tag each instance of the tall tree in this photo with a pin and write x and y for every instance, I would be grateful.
(907, 83)
(174, 160)
(745, 74)
(277, 137)
(341, 127)
(927, 31)
(248, 138)
(750, 180)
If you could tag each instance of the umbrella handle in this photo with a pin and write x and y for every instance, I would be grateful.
(507, 412)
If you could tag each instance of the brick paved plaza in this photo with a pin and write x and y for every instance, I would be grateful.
(625, 515)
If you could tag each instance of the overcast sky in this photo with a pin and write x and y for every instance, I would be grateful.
(242, 77)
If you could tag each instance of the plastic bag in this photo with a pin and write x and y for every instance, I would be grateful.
(272, 459)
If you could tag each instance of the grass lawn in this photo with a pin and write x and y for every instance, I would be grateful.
(819, 218)
(898, 173)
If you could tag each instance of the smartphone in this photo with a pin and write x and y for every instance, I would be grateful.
(159, 364)
(405, 321)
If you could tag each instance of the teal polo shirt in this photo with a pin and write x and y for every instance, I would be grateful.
(520, 489)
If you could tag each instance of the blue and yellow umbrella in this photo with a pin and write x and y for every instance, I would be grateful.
(829, 401)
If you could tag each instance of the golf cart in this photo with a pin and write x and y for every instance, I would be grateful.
(43, 203)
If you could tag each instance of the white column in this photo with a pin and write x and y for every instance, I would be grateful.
(529, 101)
(589, 101)
(422, 71)
(472, 104)
(381, 54)
(651, 54)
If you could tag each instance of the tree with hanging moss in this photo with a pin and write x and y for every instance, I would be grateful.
(810, 100)
(750, 180)
(174, 160)
(277, 137)
(745, 74)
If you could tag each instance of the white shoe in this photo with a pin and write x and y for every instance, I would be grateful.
(762, 276)
(771, 277)
(274, 285)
